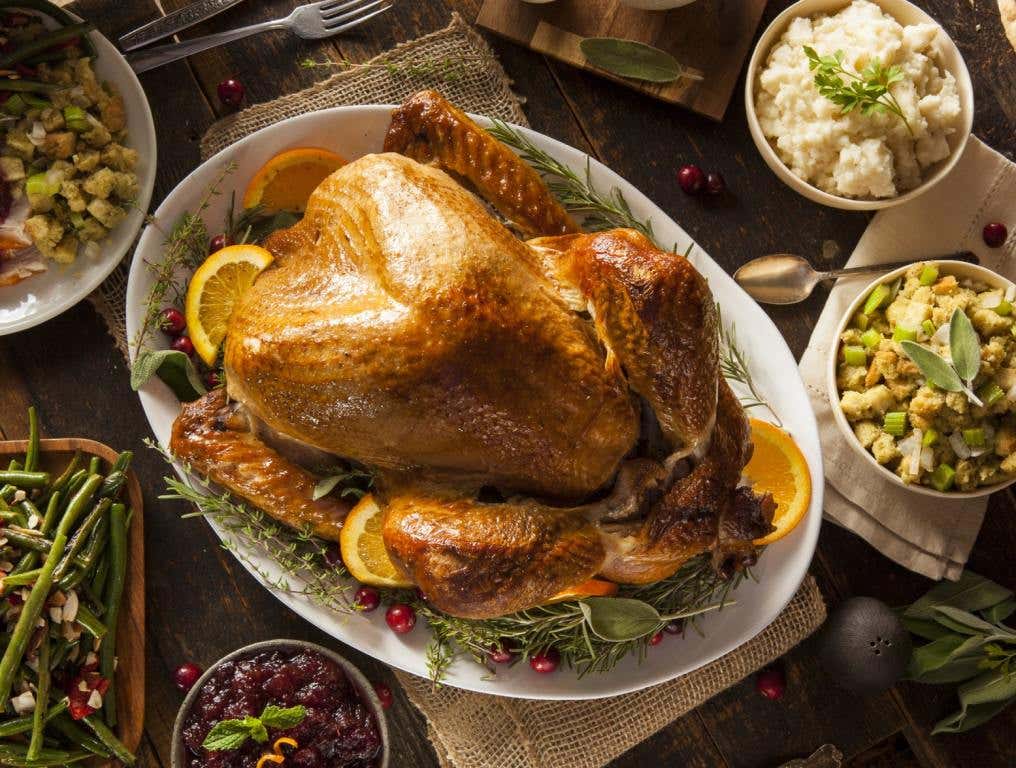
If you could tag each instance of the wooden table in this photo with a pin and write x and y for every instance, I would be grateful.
(202, 604)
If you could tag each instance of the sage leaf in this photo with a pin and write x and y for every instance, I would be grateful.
(962, 621)
(173, 367)
(970, 593)
(964, 346)
(952, 671)
(1000, 611)
(969, 717)
(619, 619)
(991, 686)
(935, 368)
(630, 58)
(926, 628)
(326, 486)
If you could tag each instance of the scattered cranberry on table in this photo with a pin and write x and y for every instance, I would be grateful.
(994, 234)
(172, 321)
(656, 639)
(218, 242)
(186, 675)
(231, 92)
(771, 682)
(401, 618)
(183, 344)
(691, 179)
(384, 695)
(367, 599)
(545, 662)
(715, 183)
(501, 653)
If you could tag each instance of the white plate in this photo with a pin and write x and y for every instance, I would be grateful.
(354, 131)
(59, 288)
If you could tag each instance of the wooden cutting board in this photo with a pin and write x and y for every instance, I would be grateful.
(712, 38)
(54, 456)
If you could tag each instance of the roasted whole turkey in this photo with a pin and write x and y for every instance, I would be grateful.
(535, 412)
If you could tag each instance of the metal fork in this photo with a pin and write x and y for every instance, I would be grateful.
(310, 22)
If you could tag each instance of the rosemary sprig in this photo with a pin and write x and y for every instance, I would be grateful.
(599, 211)
(441, 68)
(185, 247)
(867, 91)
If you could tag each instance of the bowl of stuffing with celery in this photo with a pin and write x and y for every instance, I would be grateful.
(923, 378)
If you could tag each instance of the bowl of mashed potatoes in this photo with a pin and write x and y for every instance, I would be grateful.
(860, 158)
(925, 437)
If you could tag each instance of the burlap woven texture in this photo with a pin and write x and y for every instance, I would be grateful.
(471, 730)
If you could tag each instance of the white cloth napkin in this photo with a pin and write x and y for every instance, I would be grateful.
(930, 536)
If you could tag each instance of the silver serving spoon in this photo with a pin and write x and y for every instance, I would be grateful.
(783, 278)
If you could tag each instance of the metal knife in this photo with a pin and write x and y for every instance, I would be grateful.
(174, 22)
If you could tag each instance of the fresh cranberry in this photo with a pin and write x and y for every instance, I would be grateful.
(994, 234)
(656, 639)
(213, 380)
(501, 653)
(545, 662)
(218, 242)
(367, 599)
(771, 682)
(384, 694)
(691, 179)
(675, 627)
(183, 344)
(186, 675)
(172, 321)
(231, 92)
(715, 183)
(79, 692)
(401, 618)
(333, 555)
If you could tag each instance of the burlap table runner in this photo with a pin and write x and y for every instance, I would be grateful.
(471, 730)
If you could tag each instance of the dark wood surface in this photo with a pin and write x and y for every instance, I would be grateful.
(202, 604)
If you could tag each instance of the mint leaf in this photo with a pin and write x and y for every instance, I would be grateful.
(281, 718)
(258, 732)
(227, 735)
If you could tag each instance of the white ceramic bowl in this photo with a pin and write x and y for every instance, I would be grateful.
(905, 13)
(60, 287)
(961, 270)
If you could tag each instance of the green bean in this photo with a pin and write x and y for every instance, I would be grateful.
(32, 454)
(52, 510)
(58, 654)
(24, 479)
(15, 465)
(61, 482)
(98, 586)
(37, 543)
(10, 516)
(94, 465)
(88, 561)
(23, 579)
(43, 42)
(78, 736)
(80, 538)
(91, 623)
(106, 735)
(77, 504)
(29, 560)
(30, 612)
(23, 85)
(14, 755)
(54, 12)
(76, 481)
(114, 592)
(41, 700)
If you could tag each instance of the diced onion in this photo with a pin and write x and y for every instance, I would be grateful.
(959, 445)
(942, 334)
(927, 458)
(92, 249)
(991, 299)
(1011, 394)
(24, 703)
(1010, 293)
(38, 133)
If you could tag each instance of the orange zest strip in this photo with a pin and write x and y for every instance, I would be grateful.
(269, 758)
(276, 756)
(284, 741)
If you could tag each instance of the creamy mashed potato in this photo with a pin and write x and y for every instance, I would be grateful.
(856, 155)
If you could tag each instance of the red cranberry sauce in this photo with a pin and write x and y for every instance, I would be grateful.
(338, 732)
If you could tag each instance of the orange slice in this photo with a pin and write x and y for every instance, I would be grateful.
(215, 289)
(286, 182)
(591, 588)
(778, 467)
(363, 548)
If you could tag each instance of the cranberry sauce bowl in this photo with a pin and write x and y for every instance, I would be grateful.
(302, 705)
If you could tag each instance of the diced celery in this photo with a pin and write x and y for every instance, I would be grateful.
(943, 477)
(876, 299)
(861, 321)
(974, 437)
(39, 185)
(904, 334)
(14, 105)
(871, 338)
(929, 327)
(855, 355)
(1004, 308)
(990, 394)
(36, 102)
(930, 436)
(895, 423)
(929, 274)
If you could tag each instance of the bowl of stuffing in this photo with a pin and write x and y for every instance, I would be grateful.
(922, 378)
(856, 104)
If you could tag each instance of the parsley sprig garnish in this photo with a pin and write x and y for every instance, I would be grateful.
(867, 90)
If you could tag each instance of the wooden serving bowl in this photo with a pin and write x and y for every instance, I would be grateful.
(129, 681)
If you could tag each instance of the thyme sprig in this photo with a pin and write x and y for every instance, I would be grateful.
(735, 368)
(867, 90)
(575, 192)
(185, 247)
(441, 68)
